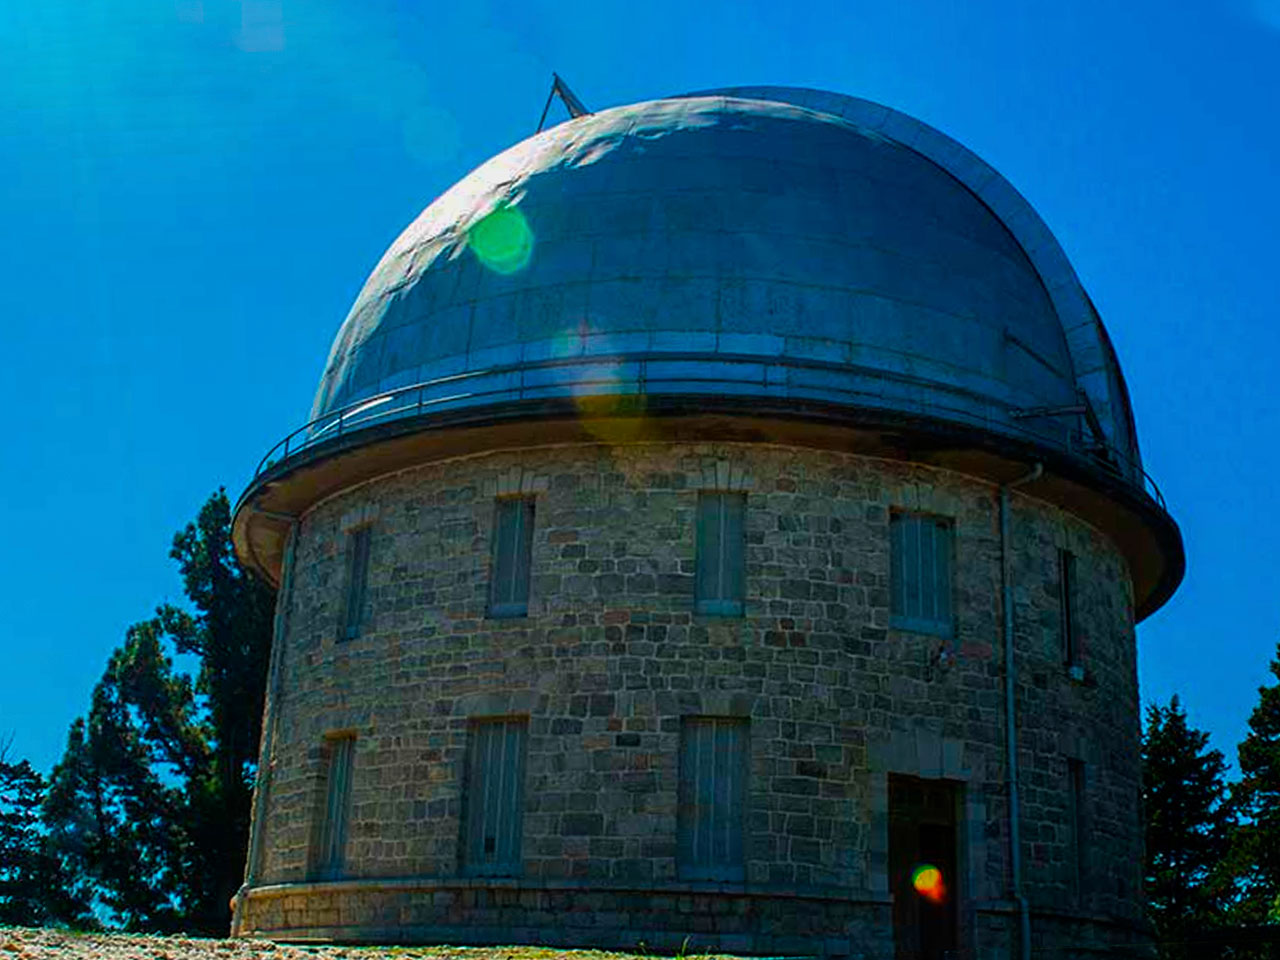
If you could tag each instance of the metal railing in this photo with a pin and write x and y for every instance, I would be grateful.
(643, 373)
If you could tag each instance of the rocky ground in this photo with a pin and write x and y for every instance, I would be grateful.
(20, 943)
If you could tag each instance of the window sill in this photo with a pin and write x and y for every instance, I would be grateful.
(507, 611)
(727, 875)
(928, 627)
(719, 608)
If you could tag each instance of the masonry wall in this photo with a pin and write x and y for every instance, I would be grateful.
(611, 656)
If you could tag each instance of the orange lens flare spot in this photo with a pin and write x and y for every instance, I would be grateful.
(927, 881)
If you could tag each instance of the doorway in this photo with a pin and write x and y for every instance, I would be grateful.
(923, 867)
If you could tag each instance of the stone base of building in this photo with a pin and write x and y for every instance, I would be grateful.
(1055, 934)
(676, 919)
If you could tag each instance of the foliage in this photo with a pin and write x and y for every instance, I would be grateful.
(151, 798)
(34, 888)
(1188, 823)
(1255, 850)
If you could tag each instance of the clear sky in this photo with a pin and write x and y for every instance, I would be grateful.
(193, 191)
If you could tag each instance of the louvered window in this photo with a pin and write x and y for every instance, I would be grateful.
(357, 581)
(512, 554)
(1076, 793)
(1066, 604)
(712, 798)
(920, 573)
(494, 797)
(721, 576)
(331, 837)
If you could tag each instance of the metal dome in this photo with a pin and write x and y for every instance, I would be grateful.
(789, 245)
(750, 265)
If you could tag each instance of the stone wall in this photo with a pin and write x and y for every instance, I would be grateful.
(611, 656)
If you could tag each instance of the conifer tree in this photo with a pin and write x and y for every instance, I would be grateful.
(1255, 853)
(1188, 823)
(35, 890)
(150, 801)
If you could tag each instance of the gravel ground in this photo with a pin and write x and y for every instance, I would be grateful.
(20, 943)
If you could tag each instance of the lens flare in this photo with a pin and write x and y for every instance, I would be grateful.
(615, 419)
(927, 880)
(502, 240)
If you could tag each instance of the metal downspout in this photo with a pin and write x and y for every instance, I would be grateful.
(266, 752)
(1010, 717)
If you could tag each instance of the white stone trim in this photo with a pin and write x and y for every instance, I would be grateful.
(726, 475)
(925, 754)
(360, 515)
(516, 481)
(496, 704)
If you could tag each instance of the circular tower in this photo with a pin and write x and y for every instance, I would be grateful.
(721, 520)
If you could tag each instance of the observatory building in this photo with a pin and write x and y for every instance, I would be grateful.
(720, 521)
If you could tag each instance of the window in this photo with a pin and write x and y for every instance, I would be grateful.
(512, 552)
(720, 582)
(357, 581)
(920, 573)
(1066, 602)
(712, 795)
(1076, 794)
(335, 792)
(493, 796)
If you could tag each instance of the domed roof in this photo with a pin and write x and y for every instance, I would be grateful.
(793, 246)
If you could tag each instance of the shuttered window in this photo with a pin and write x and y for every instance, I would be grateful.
(1076, 794)
(1066, 601)
(512, 553)
(357, 581)
(721, 576)
(712, 798)
(920, 573)
(494, 794)
(331, 838)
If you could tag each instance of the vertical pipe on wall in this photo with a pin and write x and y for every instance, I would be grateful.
(266, 750)
(1010, 718)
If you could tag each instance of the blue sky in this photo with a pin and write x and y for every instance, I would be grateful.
(193, 191)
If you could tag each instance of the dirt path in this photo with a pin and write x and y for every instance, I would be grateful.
(20, 943)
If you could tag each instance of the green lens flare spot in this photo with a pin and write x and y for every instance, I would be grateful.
(502, 241)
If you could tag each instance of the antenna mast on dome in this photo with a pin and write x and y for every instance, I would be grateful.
(571, 103)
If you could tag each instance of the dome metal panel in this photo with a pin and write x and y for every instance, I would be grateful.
(790, 244)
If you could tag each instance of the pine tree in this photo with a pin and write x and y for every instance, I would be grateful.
(35, 890)
(1255, 853)
(230, 632)
(151, 799)
(110, 812)
(1188, 824)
